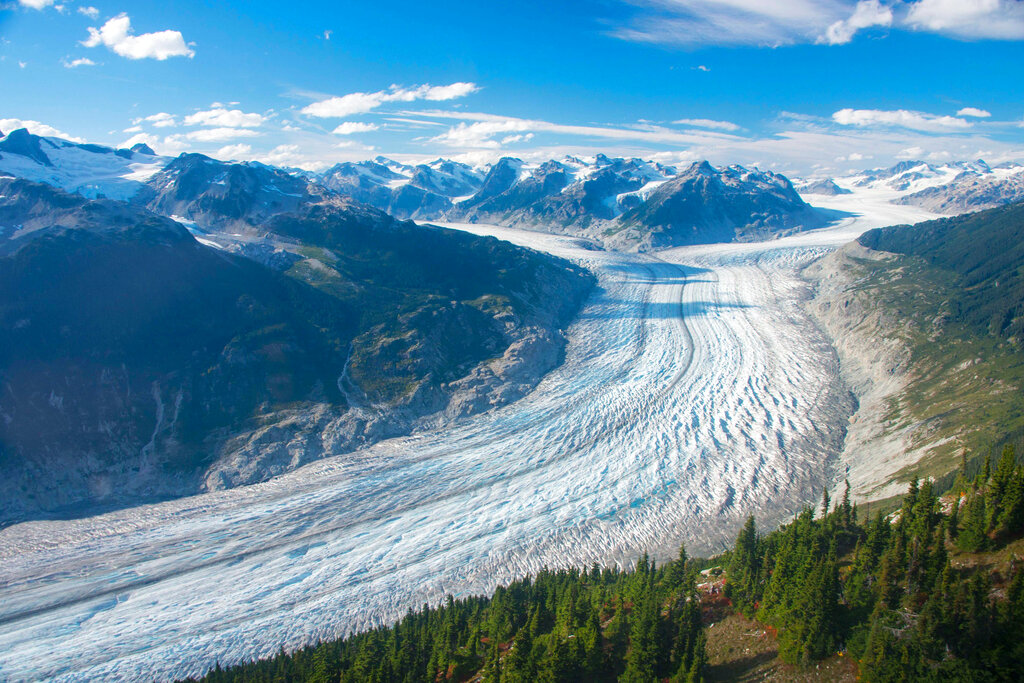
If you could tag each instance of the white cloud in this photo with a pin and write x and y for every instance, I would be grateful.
(910, 153)
(36, 4)
(480, 133)
(327, 34)
(353, 127)
(975, 112)
(708, 123)
(1000, 19)
(161, 120)
(173, 144)
(22, 65)
(132, 129)
(116, 34)
(293, 156)
(754, 22)
(508, 140)
(220, 134)
(75, 63)
(90, 12)
(731, 22)
(868, 13)
(36, 128)
(239, 151)
(144, 138)
(914, 120)
(220, 116)
(361, 102)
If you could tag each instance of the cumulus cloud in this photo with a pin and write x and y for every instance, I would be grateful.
(353, 127)
(75, 63)
(708, 123)
(90, 12)
(902, 118)
(117, 35)
(36, 4)
(36, 128)
(238, 151)
(362, 102)
(868, 13)
(975, 112)
(223, 117)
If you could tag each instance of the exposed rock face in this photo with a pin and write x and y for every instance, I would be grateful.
(142, 364)
(875, 364)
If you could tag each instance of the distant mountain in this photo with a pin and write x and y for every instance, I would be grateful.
(911, 176)
(230, 197)
(704, 204)
(90, 170)
(825, 186)
(138, 363)
(632, 203)
(567, 195)
(971, 192)
(949, 188)
(424, 191)
(600, 197)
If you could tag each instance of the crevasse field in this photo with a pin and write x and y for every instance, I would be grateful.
(695, 391)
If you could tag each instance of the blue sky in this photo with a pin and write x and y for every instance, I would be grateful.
(804, 86)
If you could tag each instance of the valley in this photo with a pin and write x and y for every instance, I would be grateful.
(695, 390)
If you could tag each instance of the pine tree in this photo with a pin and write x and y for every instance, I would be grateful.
(641, 662)
(972, 536)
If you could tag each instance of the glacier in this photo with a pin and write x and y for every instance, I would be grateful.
(695, 391)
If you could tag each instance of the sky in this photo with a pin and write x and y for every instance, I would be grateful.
(804, 87)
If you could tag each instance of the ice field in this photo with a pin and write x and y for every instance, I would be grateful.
(695, 391)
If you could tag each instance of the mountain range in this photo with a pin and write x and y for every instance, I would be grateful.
(629, 203)
(950, 188)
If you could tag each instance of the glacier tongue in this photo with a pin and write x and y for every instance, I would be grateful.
(695, 391)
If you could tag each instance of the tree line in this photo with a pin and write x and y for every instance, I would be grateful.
(885, 591)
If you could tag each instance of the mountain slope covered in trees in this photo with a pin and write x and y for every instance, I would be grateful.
(142, 363)
(929, 322)
(568, 625)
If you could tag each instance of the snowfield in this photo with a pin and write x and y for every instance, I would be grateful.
(695, 391)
